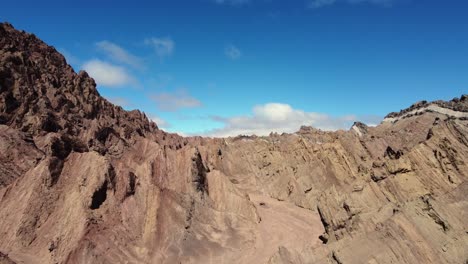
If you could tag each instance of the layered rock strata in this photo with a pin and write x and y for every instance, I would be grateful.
(83, 181)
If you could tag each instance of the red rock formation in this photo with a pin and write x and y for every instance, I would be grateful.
(83, 181)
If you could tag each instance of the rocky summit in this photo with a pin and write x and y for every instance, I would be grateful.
(84, 181)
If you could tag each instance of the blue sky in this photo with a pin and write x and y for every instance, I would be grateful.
(224, 67)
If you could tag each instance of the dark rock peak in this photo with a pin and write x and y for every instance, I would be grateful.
(41, 93)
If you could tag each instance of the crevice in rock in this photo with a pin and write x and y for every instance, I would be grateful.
(55, 169)
(50, 124)
(188, 220)
(378, 177)
(99, 196)
(108, 142)
(450, 153)
(438, 156)
(63, 146)
(60, 148)
(400, 171)
(335, 258)
(435, 216)
(103, 134)
(131, 184)
(11, 103)
(199, 173)
(53, 245)
(5, 259)
(450, 179)
(430, 134)
(364, 146)
(353, 214)
(111, 176)
(3, 119)
(324, 237)
(290, 189)
(432, 213)
(75, 144)
(347, 208)
(392, 154)
(234, 181)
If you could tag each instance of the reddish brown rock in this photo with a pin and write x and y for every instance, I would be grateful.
(83, 181)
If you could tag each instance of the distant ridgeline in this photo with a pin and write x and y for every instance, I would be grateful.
(456, 108)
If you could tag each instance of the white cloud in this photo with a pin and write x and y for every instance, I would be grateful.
(323, 3)
(163, 47)
(277, 117)
(175, 101)
(118, 54)
(107, 74)
(273, 112)
(232, 52)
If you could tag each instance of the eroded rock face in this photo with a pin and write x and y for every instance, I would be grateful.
(83, 181)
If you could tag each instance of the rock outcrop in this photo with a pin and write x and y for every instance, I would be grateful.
(456, 108)
(83, 181)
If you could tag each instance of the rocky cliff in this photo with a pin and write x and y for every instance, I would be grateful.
(83, 181)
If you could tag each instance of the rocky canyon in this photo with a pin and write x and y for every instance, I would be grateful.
(84, 181)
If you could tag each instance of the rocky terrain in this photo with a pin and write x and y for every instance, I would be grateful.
(83, 181)
(457, 107)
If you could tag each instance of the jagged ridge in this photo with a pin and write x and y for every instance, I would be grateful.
(40, 92)
(83, 181)
(458, 107)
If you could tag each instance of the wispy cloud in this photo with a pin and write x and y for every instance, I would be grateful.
(232, 2)
(71, 59)
(160, 81)
(277, 117)
(386, 3)
(119, 54)
(232, 52)
(175, 101)
(322, 3)
(107, 74)
(310, 3)
(163, 47)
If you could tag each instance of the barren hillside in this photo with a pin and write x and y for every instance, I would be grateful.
(83, 181)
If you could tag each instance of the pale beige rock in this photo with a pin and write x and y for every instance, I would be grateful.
(83, 181)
